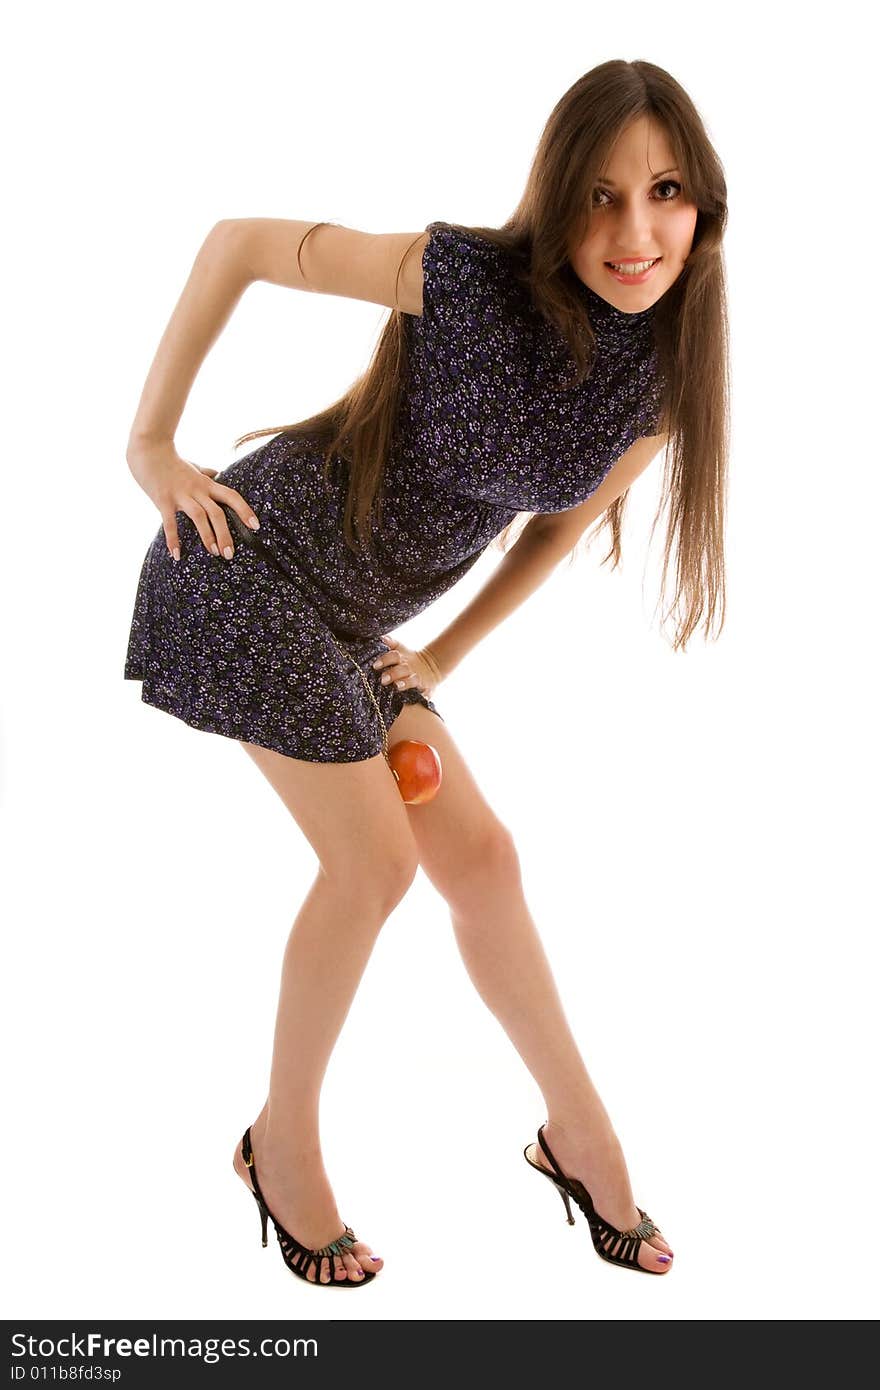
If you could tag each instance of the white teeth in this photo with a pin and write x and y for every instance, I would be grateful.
(633, 269)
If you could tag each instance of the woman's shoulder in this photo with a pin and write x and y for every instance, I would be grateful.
(465, 266)
(481, 244)
(455, 233)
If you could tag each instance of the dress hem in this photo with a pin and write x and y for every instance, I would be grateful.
(206, 724)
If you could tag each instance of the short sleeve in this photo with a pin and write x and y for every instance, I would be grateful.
(468, 342)
(461, 280)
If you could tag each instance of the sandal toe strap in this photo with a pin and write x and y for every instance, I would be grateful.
(645, 1228)
(336, 1247)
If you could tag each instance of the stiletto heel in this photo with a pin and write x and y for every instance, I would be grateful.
(617, 1247)
(566, 1203)
(298, 1257)
(264, 1218)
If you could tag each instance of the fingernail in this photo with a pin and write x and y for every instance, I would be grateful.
(228, 552)
(385, 680)
(376, 665)
(664, 1259)
(176, 552)
(253, 523)
(214, 550)
(401, 684)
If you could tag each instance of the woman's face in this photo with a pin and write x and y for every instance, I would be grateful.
(636, 217)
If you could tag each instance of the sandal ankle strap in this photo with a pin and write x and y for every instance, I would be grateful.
(247, 1154)
(546, 1149)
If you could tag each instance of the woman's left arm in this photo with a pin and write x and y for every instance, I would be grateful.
(544, 543)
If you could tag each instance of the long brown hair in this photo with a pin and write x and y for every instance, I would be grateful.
(690, 327)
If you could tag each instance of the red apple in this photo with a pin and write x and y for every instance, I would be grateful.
(417, 768)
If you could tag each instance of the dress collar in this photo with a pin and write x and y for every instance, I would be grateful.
(613, 327)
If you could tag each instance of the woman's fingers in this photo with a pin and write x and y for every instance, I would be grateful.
(207, 515)
(402, 678)
(195, 510)
(198, 516)
(217, 517)
(392, 665)
(177, 485)
(405, 669)
(395, 669)
(233, 499)
(172, 539)
(396, 674)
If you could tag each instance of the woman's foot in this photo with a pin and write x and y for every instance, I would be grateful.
(298, 1195)
(595, 1158)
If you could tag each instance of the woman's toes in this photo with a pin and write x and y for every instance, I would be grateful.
(661, 1244)
(352, 1267)
(651, 1258)
(319, 1273)
(365, 1257)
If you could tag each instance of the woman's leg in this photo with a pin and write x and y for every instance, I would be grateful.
(355, 821)
(469, 856)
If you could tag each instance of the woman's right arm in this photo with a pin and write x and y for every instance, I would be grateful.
(216, 282)
(383, 269)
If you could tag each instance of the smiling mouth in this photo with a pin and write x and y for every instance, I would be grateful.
(646, 262)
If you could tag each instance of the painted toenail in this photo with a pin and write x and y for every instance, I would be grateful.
(375, 1257)
(664, 1259)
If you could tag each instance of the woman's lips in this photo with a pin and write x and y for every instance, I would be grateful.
(623, 278)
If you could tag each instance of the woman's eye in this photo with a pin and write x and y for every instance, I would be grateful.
(664, 183)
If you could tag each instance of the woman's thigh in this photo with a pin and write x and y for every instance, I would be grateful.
(351, 814)
(463, 846)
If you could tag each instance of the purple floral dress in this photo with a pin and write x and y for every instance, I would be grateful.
(243, 647)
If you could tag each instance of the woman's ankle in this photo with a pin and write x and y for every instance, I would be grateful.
(293, 1127)
(583, 1131)
(287, 1143)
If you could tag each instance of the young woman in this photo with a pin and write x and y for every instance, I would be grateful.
(537, 369)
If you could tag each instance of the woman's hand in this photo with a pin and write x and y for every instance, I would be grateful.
(407, 669)
(175, 485)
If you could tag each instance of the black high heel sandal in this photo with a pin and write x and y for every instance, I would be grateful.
(617, 1247)
(299, 1258)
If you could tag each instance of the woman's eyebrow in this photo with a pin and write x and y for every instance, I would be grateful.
(661, 175)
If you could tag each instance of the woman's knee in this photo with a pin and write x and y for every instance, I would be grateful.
(377, 880)
(488, 865)
(355, 821)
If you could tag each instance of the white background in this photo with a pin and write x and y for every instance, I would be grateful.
(696, 830)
